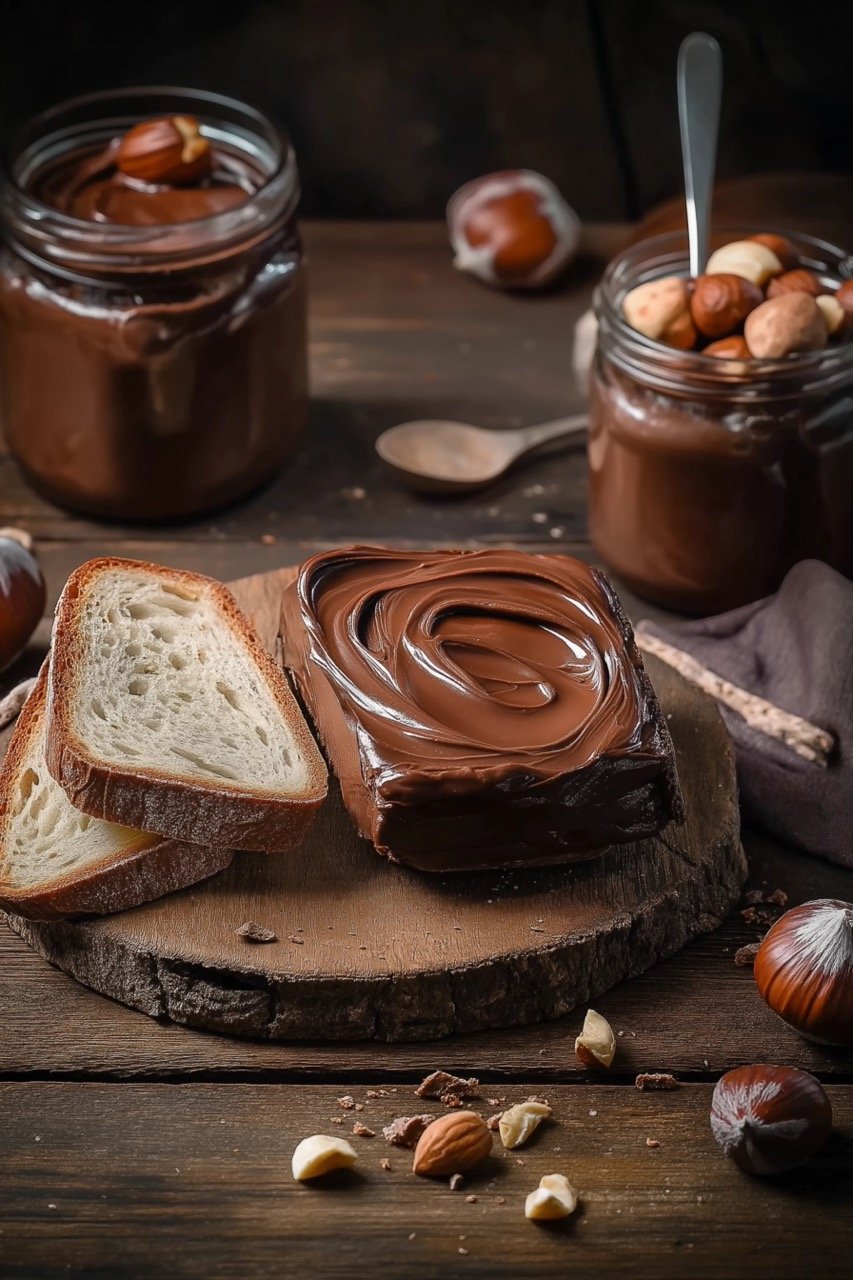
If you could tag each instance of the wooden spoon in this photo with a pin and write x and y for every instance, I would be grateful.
(455, 457)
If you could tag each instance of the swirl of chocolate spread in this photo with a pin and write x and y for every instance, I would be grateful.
(93, 187)
(475, 655)
(480, 708)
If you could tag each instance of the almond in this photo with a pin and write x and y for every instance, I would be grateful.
(452, 1144)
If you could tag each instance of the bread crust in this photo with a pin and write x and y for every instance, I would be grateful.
(152, 800)
(146, 868)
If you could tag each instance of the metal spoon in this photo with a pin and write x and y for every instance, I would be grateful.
(455, 457)
(700, 85)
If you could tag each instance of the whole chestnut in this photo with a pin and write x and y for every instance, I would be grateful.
(720, 303)
(22, 593)
(512, 229)
(799, 281)
(804, 970)
(770, 1119)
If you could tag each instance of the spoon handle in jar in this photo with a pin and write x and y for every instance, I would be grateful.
(700, 84)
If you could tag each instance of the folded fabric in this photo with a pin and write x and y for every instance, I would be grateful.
(795, 650)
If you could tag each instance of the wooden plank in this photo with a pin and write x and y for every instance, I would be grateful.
(194, 1181)
(696, 1014)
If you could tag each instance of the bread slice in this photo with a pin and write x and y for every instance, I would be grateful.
(55, 861)
(167, 714)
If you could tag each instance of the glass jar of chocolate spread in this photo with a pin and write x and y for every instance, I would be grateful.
(710, 478)
(152, 328)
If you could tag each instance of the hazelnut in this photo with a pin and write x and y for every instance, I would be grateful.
(22, 593)
(169, 149)
(769, 1119)
(657, 307)
(799, 281)
(781, 246)
(844, 295)
(555, 1197)
(681, 333)
(720, 303)
(733, 348)
(321, 1154)
(596, 1044)
(804, 970)
(512, 229)
(834, 315)
(747, 258)
(781, 326)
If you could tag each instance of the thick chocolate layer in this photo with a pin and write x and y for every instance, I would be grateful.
(481, 709)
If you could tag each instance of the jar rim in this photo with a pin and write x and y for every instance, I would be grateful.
(671, 370)
(77, 246)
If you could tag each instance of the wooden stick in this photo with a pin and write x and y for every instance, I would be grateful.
(806, 739)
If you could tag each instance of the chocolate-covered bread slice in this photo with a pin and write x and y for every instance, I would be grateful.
(480, 708)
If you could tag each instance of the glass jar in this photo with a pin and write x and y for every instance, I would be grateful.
(710, 478)
(151, 371)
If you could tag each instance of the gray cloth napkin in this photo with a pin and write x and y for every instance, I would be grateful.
(796, 650)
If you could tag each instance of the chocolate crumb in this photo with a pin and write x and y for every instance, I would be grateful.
(778, 898)
(656, 1080)
(493, 1122)
(300, 942)
(405, 1130)
(251, 932)
(745, 956)
(378, 1093)
(361, 1130)
(347, 1102)
(451, 1099)
(456, 1181)
(439, 1083)
(337, 1120)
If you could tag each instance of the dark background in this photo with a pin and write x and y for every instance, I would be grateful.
(394, 105)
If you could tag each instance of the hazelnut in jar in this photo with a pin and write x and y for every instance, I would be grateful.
(712, 472)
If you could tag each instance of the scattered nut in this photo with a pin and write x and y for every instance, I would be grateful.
(792, 322)
(657, 306)
(470, 1199)
(321, 1154)
(439, 1083)
(456, 1181)
(799, 281)
(554, 1198)
(748, 258)
(652, 1143)
(405, 1131)
(832, 311)
(257, 933)
(452, 1144)
(385, 1164)
(596, 1044)
(770, 1119)
(347, 1102)
(649, 1080)
(781, 246)
(720, 303)
(519, 1123)
(745, 956)
(733, 348)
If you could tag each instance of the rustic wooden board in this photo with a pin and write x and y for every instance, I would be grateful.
(369, 950)
(194, 1181)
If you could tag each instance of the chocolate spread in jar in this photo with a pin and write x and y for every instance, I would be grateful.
(175, 381)
(480, 708)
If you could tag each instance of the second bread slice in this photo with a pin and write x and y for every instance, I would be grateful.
(167, 714)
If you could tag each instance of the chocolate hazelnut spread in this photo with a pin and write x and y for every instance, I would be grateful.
(153, 351)
(480, 708)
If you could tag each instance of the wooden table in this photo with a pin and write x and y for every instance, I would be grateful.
(131, 1148)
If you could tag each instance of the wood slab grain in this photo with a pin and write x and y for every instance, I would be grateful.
(366, 949)
(194, 1180)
